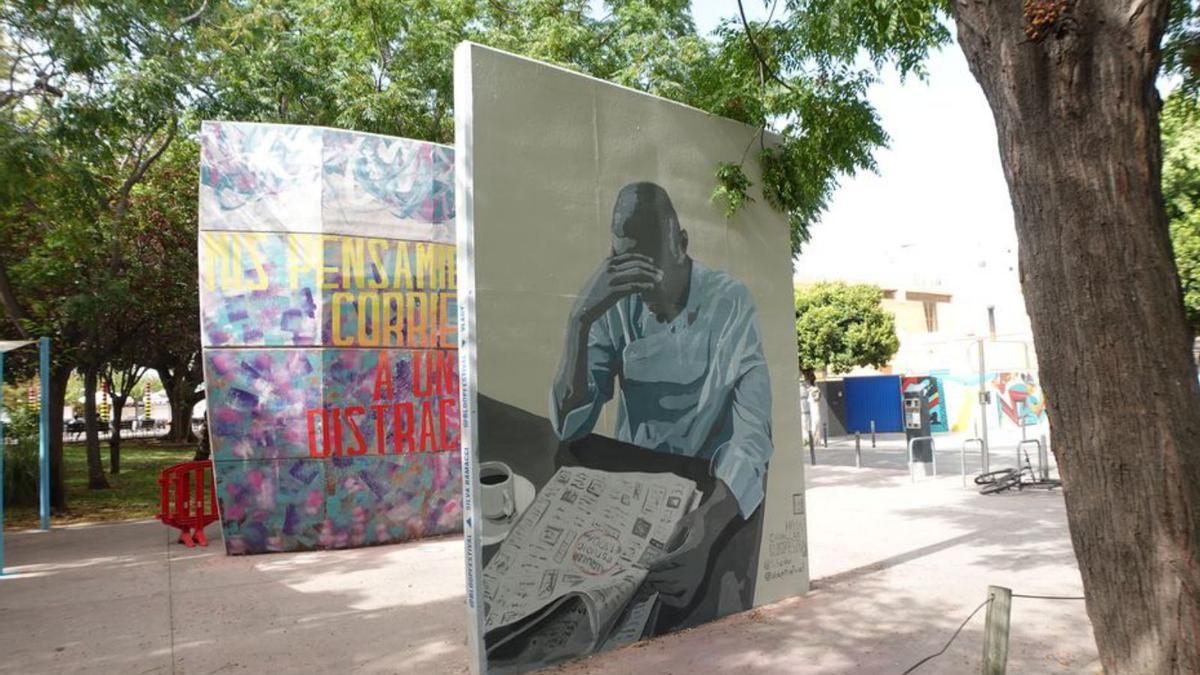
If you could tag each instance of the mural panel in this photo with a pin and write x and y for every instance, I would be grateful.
(632, 456)
(329, 324)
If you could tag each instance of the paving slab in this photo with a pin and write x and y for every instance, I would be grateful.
(86, 599)
(897, 565)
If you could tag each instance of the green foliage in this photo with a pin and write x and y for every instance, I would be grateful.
(386, 67)
(1181, 192)
(134, 492)
(803, 77)
(1181, 47)
(21, 456)
(841, 326)
(732, 187)
(21, 473)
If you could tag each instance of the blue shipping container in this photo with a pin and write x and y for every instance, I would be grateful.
(876, 397)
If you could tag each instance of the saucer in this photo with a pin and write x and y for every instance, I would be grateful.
(494, 531)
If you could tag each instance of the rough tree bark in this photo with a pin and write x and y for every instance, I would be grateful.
(1072, 88)
(96, 479)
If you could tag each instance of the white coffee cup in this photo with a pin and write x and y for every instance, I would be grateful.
(497, 491)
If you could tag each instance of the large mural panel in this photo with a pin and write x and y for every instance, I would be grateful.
(329, 325)
(632, 457)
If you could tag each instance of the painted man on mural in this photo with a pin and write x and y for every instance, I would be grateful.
(683, 342)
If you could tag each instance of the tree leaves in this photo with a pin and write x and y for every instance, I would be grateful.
(803, 77)
(841, 326)
(1181, 192)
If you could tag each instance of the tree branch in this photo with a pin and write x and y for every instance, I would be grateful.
(757, 52)
(143, 165)
(194, 15)
(9, 300)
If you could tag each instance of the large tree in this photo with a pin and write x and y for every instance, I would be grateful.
(94, 98)
(163, 229)
(1072, 88)
(840, 326)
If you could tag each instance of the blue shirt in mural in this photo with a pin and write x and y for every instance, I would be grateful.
(695, 386)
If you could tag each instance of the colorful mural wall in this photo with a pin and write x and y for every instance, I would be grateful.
(1016, 399)
(329, 324)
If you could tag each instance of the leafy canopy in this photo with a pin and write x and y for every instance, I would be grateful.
(387, 67)
(840, 326)
(1181, 192)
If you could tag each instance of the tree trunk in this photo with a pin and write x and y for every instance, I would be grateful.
(1076, 113)
(114, 440)
(59, 377)
(181, 393)
(96, 479)
(181, 421)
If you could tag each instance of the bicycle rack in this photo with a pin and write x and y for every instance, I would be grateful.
(932, 452)
(963, 457)
(1043, 462)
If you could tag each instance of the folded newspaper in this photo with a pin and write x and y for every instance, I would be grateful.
(566, 579)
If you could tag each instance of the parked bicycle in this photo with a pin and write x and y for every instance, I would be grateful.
(1007, 479)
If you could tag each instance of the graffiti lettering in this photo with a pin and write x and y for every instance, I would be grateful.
(425, 424)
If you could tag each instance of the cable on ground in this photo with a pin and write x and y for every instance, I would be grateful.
(975, 611)
(920, 663)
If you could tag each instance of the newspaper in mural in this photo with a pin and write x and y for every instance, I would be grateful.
(631, 454)
(329, 325)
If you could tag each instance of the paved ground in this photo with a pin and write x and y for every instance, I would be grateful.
(897, 568)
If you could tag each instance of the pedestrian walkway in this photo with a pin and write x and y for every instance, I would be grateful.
(896, 566)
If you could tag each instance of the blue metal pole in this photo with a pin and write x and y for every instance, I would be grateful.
(1, 464)
(44, 436)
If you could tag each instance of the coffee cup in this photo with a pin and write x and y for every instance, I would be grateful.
(497, 491)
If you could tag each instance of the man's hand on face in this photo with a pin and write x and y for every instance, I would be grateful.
(618, 276)
(678, 574)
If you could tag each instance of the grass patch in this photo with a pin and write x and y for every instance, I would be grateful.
(133, 493)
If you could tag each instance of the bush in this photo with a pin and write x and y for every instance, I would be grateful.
(21, 458)
(21, 473)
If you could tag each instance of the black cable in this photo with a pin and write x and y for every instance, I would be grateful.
(922, 662)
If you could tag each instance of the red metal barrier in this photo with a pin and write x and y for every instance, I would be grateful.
(183, 489)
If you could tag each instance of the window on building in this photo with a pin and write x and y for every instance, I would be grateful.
(930, 302)
(930, 316)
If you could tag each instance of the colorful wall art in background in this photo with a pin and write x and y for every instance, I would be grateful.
(1018, 397)
(329, 324)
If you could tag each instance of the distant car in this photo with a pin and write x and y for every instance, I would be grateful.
(78, 426)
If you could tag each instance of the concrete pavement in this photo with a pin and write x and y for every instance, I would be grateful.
(897, 566)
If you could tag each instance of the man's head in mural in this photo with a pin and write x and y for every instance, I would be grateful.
(645, 227)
